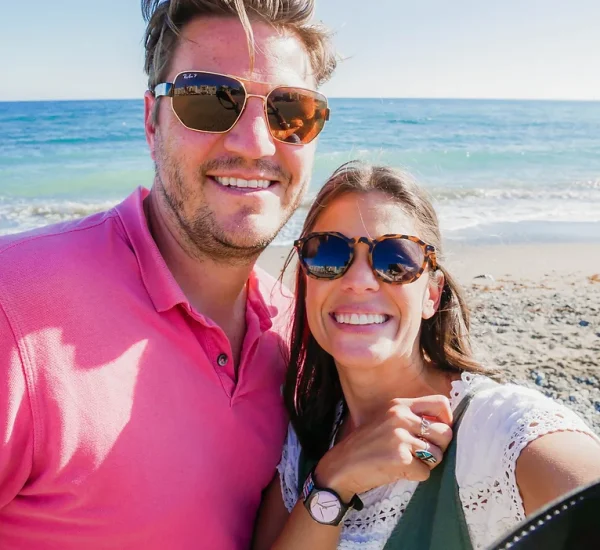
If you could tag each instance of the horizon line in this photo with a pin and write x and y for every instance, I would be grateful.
(406, 98)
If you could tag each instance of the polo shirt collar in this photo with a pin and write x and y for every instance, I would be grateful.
(163, 289)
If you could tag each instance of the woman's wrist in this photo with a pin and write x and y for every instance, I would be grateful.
(329, 475)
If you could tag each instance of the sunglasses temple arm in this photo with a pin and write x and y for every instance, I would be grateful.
(164, 89)
(432, 260)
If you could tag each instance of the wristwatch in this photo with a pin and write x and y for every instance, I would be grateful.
(324, 505)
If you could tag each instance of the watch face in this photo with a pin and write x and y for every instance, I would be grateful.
(325, 507)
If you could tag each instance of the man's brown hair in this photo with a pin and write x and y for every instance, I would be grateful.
(166, 19)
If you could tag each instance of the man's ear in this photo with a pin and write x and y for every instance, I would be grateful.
(433, 293)
(150, 116)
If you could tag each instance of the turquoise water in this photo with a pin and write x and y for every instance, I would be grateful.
(484, 162)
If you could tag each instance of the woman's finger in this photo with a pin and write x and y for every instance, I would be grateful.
(437, 406)
(410, 466)
(439, 434)
(428, 453)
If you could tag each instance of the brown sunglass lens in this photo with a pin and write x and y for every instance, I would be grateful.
(398, 260)
(208, 102)
(296, 115)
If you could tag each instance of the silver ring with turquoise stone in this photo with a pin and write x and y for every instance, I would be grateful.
(425, 456)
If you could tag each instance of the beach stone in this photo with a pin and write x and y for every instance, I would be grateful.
(485, 276)
(584, 323)
(539, 379)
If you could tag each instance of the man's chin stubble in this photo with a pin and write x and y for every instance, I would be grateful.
(201, 240)
(201, 237)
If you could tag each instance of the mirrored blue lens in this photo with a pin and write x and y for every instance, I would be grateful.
(398, 260)
(326, 256)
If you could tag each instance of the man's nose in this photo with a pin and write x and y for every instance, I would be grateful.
(250, 137)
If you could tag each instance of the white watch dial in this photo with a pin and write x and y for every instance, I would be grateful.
(325, 507)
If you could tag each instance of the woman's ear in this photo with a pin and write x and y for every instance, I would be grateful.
(433, 293)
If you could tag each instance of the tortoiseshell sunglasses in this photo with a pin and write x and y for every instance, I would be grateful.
(394, 259)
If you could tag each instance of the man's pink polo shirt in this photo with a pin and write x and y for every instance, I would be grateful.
(122, 424)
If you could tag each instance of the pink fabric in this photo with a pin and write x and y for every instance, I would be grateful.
(118, 427)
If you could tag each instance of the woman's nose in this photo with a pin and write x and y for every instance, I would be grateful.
(360, 277)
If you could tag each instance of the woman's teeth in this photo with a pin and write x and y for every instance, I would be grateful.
(360, 318)
(237, 182)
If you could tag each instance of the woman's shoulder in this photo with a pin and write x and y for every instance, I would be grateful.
(500, 421)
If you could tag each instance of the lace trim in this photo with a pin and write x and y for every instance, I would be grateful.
(467, 384)
(384, 507)
(288, 470)
(532, 425)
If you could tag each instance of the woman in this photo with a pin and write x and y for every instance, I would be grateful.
(381, 373)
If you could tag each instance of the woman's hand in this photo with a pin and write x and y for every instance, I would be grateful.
(383, 451)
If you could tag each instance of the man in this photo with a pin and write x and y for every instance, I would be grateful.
(141, 352)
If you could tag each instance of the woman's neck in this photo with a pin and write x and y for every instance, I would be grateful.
(369, 391)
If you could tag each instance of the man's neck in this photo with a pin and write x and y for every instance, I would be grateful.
(214, 289)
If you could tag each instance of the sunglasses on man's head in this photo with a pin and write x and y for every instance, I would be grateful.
(395, 259)
(213, 103)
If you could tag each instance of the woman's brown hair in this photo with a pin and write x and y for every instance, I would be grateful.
(312, 390)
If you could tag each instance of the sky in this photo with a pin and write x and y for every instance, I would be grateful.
(512, 49)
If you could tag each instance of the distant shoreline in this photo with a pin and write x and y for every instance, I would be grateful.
(495, 169)
(450, 99)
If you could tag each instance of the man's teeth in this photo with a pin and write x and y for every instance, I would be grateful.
(360, 319)
(236, 182)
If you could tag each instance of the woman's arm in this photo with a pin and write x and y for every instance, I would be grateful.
(555, 464)
(375, 454)
(301, 531)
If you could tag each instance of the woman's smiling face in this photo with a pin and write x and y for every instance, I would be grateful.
(394, 312)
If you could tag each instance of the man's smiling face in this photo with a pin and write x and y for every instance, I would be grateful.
(229, 194)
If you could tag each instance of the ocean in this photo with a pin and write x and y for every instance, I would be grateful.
(501, 171)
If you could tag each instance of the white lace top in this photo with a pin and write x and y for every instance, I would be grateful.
(499, 422)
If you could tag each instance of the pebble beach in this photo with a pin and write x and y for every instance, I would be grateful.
(543, 334)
